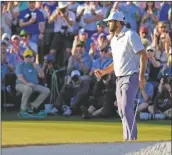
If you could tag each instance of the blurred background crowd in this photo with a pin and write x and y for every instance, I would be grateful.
(49, 51)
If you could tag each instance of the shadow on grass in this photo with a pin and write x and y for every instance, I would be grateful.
(12, 116)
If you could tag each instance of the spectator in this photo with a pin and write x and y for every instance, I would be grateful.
(48, 67)
(163, 99)
(131, 12)
(80, 60)
(103, 98)
(6, 18)
(102, 102)
(72, 6)
(5, 55)
(73, 94)
(161, 39)
(144, 96)
(28, 82)
(79, 13)
(63, 29)
(150, 18)
(163, 15)
(92, 13)
(107, 6)
(83, 37)
(15, 55)
(153, 67)
(100, 29)
(144, 36)
(27, 43)
(32, 21)
(102, 62)
(7, 75)
(102, 42)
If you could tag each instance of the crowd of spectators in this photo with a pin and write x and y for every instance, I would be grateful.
(53, 48)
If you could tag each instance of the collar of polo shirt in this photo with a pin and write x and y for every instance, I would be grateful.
(124, 29)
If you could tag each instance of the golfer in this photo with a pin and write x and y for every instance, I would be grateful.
(129, 64)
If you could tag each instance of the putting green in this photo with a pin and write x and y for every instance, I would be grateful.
(55, 132)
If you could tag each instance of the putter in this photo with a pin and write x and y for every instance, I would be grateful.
(134, 119)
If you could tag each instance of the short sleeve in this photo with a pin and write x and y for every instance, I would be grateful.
(135, 42)
(22, 14)
(19, 70)
(40, 16)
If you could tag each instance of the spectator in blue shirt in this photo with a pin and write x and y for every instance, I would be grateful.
(83, 36)
(32, 21)
(27, 82)
(163, 15)
(80, 60)
(100, 29)
(102, 62)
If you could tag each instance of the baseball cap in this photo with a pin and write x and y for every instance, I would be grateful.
(150, 48)
(82, 31)
(28, 53)
(102, 23)
(144, 29)
(23, 33)
(75, 72)
(62, 5)
(117, 15)
(5, 36)
(102, 35)
(14, 36)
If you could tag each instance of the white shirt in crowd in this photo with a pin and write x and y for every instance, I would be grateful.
(78, 12)
(88, 14)
(60, 21)
(124, 50)
(5, 26)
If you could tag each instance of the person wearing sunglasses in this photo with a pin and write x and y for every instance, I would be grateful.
(80, 59)
(28, 74)
(103, 96)
(161, 39)
(27, 43)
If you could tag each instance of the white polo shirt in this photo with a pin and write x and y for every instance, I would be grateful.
(60, 21)
(124, 50)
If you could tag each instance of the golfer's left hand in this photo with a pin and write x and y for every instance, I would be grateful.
(142, 82)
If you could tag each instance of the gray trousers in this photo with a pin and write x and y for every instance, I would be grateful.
(126, 89)
(27, 92)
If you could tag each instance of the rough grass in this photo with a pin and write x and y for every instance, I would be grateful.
(67, 130)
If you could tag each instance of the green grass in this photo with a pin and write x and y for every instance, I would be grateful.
(58, 130)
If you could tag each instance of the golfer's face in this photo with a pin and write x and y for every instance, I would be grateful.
(112, 25)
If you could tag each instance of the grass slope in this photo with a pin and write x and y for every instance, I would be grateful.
(74, 131)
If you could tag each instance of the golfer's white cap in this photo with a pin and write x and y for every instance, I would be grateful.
(75, 72)
(117, 15)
